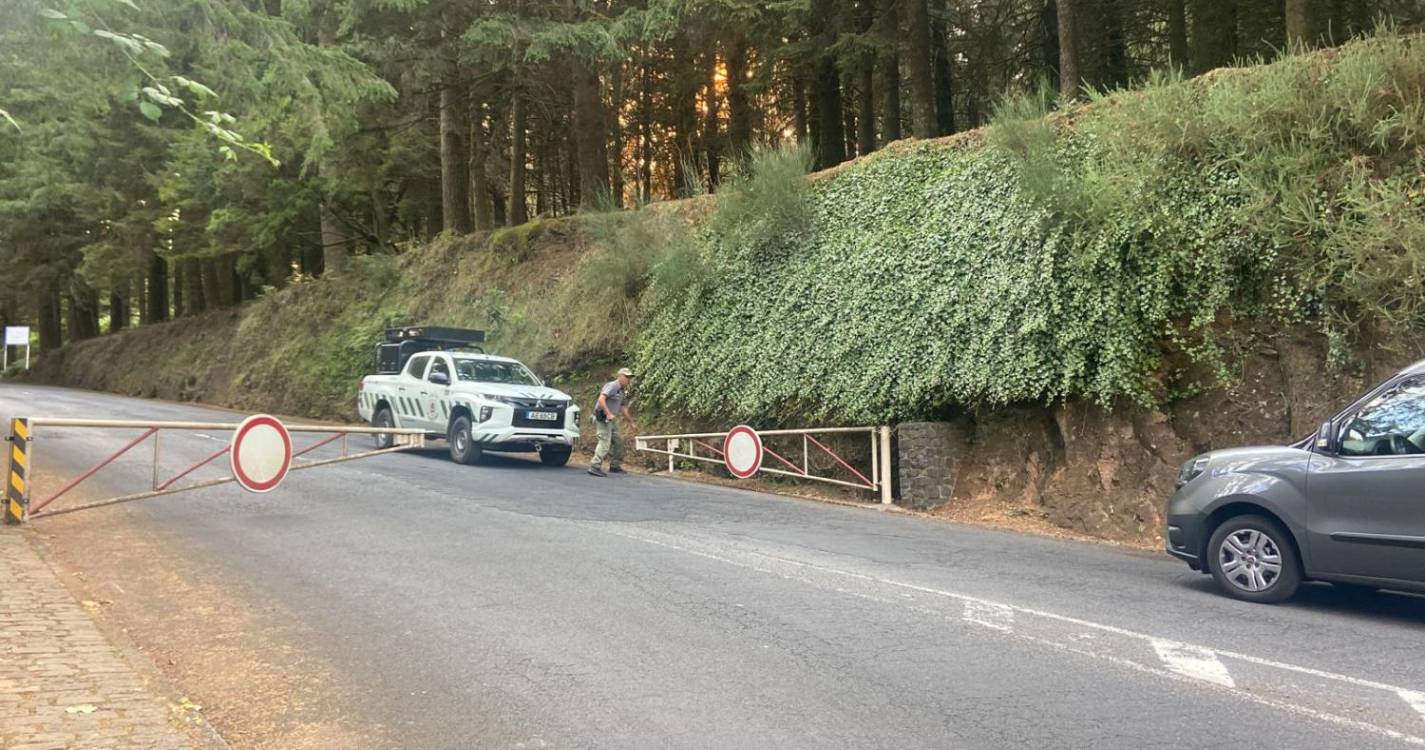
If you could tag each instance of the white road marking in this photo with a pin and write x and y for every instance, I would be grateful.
(1180, 650)
(1194, 662)
(993, 616)
(1416, 700)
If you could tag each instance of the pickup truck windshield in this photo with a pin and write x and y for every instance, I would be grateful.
(485, 371)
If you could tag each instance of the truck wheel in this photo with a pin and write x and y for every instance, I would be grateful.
(383, 418)
(555, 456)
(463, 449)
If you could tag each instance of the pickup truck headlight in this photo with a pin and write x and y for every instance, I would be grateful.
(498, 399)
(1191, 470)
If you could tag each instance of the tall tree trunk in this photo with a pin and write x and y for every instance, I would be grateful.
(157, 288)
(47, 313)
(944, 86)
(712, 140)
(519, 208)
(614, 127)
(799, 109)
(118, 309)
(686, 82)
(922, 77)
(212, 291)
(645, 130)
(1177, 34)
(1113, 70)
(889, 65)
(1214, 34)
(479, 177)
(1069, 75)
(83, 314)
(830, 141)
(591, 140)
(333, 244)
(225, 283)
(1298, 22)
(739, 106)
(1048, 42)
(866, 87)
(180, 309)
(454, 166)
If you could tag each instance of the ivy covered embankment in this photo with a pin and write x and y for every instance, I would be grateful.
(1112, 254)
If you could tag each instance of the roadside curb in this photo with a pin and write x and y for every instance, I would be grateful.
(80, 682)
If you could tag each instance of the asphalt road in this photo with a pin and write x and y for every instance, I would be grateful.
(531, 607)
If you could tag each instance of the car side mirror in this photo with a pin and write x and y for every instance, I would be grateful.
(547, 383)
(1326, 438)
(440, 378)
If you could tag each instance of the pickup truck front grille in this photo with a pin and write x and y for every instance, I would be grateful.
(521, 418)
(548, 404)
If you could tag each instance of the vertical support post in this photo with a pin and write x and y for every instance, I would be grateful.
(672, 448)
(806, 463)
(875, 433)
(155, 459)
(885, 478)
(343, 444)
(17, 486)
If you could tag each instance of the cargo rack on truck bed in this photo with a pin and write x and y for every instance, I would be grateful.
(403, 341)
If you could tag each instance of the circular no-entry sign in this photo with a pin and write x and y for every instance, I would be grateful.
(742, 451)
(261, 453)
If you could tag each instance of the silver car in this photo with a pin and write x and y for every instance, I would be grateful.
(1346, 505)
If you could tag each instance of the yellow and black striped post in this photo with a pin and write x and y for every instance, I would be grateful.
(17, 490)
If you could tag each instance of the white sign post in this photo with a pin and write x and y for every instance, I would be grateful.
(261, 453)
(16, 336)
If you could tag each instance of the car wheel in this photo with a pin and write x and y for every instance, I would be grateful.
(1252, 558)
(383, 418)
(555, 456)
(463, 449)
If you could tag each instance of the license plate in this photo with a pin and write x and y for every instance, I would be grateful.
(544, 416)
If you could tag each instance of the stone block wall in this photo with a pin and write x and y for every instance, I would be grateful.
(929, 456)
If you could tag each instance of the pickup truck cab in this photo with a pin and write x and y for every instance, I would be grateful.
(477, 402)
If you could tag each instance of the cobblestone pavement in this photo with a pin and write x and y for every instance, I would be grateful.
(62, 684)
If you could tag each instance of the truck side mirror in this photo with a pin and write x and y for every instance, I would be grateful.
(440, 378)
(1326, 438)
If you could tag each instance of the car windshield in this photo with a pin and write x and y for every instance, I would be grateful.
(488, 371)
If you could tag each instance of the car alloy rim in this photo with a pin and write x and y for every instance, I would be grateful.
(384, 420)
(460, 440)
(1250, 559)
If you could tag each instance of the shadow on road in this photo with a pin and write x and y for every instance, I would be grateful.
(1399, 607)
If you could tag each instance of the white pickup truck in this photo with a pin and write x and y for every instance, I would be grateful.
(477, 402)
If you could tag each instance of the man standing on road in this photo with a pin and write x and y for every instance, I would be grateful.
(606, 414)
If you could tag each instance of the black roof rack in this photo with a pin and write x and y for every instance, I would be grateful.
(404, 341)
(436, 335)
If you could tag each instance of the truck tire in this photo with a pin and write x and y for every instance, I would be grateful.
(463, 449)
(383, 418)
(555, 456)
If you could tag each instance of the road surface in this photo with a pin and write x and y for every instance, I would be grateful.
(514, 605)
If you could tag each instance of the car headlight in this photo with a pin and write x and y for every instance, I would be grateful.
(499, 399)
(1191, 470)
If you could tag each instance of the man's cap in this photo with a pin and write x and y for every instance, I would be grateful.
(626, 371)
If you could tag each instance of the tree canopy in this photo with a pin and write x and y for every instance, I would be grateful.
(162, 158)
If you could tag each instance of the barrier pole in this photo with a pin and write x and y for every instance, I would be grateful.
(17, 488)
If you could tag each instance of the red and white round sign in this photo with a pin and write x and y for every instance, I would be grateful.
(261, 453)
(742, 451)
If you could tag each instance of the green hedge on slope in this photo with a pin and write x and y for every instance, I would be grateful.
(1057, 258)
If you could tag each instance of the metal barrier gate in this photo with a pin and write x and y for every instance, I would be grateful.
(686, 446)
(22, 436)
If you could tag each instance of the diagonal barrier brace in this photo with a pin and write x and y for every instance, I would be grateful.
(94, 470)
